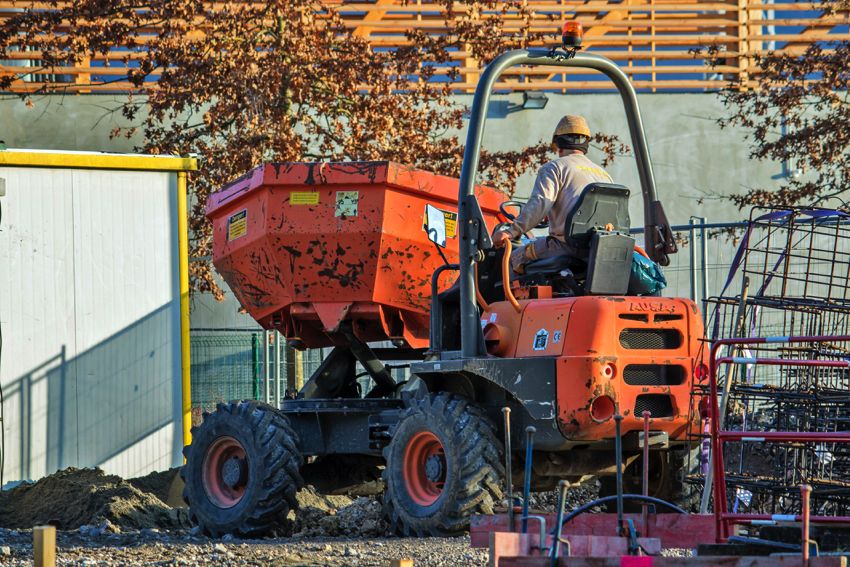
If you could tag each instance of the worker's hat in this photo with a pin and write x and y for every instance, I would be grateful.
(571, 125)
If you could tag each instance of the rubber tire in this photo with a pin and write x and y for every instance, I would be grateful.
(271, 449)
(474, 467)
(667, 474)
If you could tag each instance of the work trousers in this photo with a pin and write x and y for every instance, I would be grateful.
(540, 249)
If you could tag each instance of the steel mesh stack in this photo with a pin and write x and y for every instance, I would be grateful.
(798, 265)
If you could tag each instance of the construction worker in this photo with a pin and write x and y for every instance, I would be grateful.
(556, 190)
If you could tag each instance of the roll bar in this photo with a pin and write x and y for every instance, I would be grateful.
(474, 236)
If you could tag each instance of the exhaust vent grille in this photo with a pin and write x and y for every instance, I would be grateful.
(653, 375)
(650, 339)
(658, 405)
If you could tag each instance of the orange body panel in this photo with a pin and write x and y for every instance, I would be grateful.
(306, 246)
(604, 340)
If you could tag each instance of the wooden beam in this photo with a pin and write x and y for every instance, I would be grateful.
(372, 16)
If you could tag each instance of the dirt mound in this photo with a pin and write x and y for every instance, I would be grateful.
(319, 515)
(167, 486)
(73, 497)
(309, 497)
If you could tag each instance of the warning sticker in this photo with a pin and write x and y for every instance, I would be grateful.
(237, 225)
(346, 203)
(541, 340)
(304, 198)
(451, 222)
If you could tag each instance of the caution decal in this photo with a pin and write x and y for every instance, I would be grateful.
(237, 225)
(451, 222)
(304, 198)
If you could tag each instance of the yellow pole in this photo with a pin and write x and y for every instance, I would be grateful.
(183, 242)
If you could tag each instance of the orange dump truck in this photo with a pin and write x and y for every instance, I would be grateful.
(344, 255)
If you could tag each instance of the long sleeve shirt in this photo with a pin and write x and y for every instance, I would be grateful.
(556, 191)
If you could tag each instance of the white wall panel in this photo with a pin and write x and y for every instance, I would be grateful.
(89, 304)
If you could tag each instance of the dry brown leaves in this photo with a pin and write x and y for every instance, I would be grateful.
(279, 81)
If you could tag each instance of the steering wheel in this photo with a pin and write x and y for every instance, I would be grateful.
(518, 205)
(505, 226)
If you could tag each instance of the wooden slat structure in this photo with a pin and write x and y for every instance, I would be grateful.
(651, 39)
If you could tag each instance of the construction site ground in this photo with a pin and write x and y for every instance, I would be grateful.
(106, 521)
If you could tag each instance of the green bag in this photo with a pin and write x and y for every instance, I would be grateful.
(646, 276)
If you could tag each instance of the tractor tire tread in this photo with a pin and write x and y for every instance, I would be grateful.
(477, 488)
(273, 447)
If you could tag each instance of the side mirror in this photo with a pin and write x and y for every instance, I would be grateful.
(435, 225)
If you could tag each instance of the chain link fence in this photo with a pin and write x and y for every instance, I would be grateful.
(231, 364)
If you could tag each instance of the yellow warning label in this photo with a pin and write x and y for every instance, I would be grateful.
(304, 198)
(451, 222)
(237, 225)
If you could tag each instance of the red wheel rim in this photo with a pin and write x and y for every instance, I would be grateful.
(425, 468)
(224, 472)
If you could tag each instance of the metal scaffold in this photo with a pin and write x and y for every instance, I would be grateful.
(793, 272)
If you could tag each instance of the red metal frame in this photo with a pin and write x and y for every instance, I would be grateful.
(721, 515)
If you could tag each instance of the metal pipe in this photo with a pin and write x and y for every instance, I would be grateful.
(693, 257)
(277, 395)
(508, 464)
(619, 448)
(562, 503)
(743, 224)
(526, 491)
(183, 253)
(470, 326)
(739, 327)
(645, 470)
(266, 367)
(806, 491)
(704, 266)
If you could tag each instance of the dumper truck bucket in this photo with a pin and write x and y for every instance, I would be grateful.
(308, 246)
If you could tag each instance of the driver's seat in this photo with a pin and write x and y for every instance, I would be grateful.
(598, 229)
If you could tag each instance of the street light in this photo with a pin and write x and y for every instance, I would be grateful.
(534, 100)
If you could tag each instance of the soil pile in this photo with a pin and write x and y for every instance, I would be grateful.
(332, 516)
(73, 498)
(167, 486)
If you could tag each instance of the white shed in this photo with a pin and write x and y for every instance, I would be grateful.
(93, 312)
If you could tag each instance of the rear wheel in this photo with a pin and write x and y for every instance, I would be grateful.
(242, 470)
(443, 465)
(667, 473)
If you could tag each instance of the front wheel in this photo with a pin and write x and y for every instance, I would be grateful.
(443, 465)
(242, 470)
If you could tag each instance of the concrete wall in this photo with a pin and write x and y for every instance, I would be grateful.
(90, 313)
(695, 162)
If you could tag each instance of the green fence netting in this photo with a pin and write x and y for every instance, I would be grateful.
(225, 366)
(230, 365)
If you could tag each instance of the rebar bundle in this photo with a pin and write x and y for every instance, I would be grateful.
(797, 262)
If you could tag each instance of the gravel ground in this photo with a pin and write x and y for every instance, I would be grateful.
(105, 521)
(181, 549)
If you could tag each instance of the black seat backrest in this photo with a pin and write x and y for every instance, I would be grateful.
(598, 205)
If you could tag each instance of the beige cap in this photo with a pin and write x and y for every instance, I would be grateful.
(571, 125)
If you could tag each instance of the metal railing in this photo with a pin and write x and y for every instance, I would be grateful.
(723, 519)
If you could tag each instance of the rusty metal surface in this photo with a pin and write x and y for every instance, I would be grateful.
(675, 531)
(305, 246)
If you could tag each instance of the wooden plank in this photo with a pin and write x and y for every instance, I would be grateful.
(372, 17)
(44, 546)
